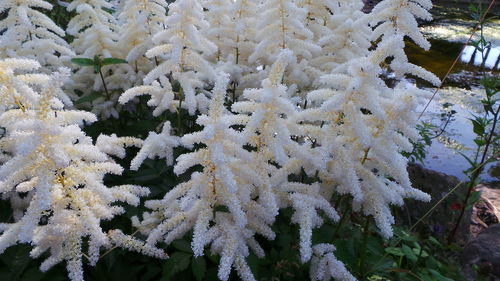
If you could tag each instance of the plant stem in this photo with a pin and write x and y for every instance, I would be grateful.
(108, 96)
(457, 58)
(362, 253)
(338, 201)
(179, 119)
(474, 176)
(345, 215)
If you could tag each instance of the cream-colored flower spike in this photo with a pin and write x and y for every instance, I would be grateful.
(95, 32)
(345, 35)
(399, 18)
(52, 159)
(221, 29)
(218, 203)
(271, 127)
(182, 46)
(139, 20)
(28, 33)
(235, 41)
(16, 92)
(367, 124)
(282, 26)
(245, 17)
(94, 28)
(393, 21)
(324, 265)
(16, 84)
(157, 145)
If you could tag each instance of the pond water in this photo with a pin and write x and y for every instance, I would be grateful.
(461, 92)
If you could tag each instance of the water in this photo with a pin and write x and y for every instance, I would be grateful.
(444, 155)
(461, 92)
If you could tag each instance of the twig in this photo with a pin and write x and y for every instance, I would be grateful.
(474, 176)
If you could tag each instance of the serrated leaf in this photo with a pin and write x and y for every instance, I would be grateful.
(109, 61)
(199, 267)
(83, 61)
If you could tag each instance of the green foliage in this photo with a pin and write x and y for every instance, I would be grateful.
(484, 125)
(406, 257)
(421, 145)
(97, 62)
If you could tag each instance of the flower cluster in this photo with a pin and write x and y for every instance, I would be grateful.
(28, 33)
(62, 170)
(279, 88)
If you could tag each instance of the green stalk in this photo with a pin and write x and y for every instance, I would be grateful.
(108, 96)
(362, 253)
(345, 215)
(475, 175)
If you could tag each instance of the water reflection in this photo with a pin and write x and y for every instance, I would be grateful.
(461, 92)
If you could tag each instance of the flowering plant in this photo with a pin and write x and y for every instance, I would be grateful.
(262, 106)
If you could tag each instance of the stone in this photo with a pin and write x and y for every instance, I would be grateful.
(484, 252)
(486, 211)
(441, 221)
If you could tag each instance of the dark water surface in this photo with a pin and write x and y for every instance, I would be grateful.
(461, 91)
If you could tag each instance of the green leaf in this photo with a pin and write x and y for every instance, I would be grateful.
(472, 163)
(199, 267)
(395, 251)
(473, 8)
(97, 67)
(474, 197)
(108, 61)
(438, 275)
(83, 61)
(182, 245)
(177, 262)
(33, 274)
(422, 254)
(480, 142)
(426, 277)
(409, 253)
(434, 241)
(111, 11)
(478, 128)
(89, 98)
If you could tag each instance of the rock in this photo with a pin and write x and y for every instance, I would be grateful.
(486, 210)
(442, 219)
(484, 252)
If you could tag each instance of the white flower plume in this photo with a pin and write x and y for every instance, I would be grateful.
(181, 45)
(53, 159)
(28, 33)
